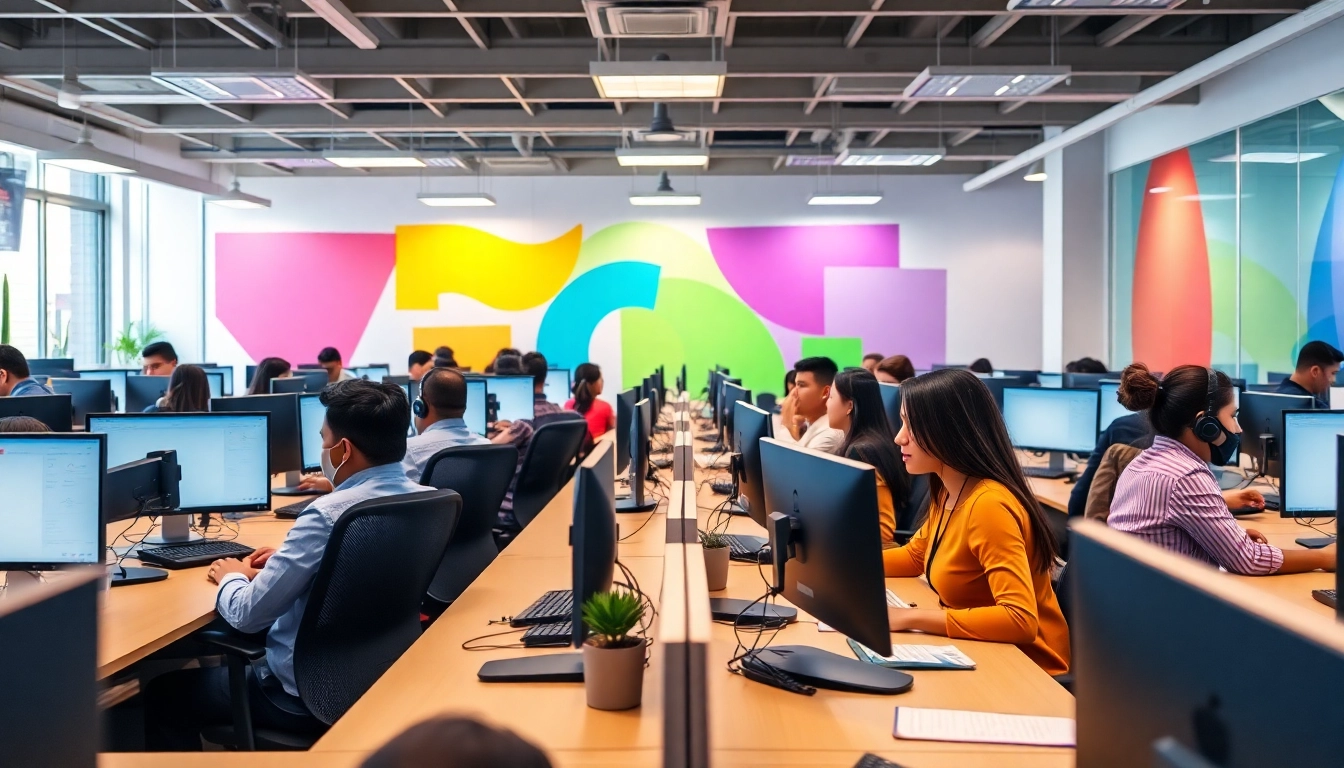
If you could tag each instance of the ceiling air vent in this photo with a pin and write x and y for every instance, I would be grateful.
(629, 18)
(524, 164)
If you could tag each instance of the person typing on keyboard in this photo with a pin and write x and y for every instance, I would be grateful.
(363, 444)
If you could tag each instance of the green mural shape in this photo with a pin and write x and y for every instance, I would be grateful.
(846, 352)
(699, 326)
(676, 253)
(1270, 315)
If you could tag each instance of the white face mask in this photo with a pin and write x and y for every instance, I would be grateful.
(329, 471)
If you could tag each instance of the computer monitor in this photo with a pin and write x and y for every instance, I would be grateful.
(1275, 378)
(1058, 421)
(558, 385)
(286, 447)
(891, 403)
(312, 414)
(1028, 377)
(144, 488)
(293, 385)
(475, 415)
(374, 372)
(996, 385)
(945, 366)
(56, 411)
(733, 393)
(514, 396)
(1085, 380)
(53, 500)
(827, 562)
(144, 391)
(641, 428)
(227, 370)
(1261, 418)
(249, 372)
(625, 409)
(400, 381)
(1336, 398)
(216, 379)
(1177, 666)
(86, 396)
(1309, 482)
(1111, 409)
(750, 425)
(117, 379)
(223, 456)
(50, 366)
(1050, 380)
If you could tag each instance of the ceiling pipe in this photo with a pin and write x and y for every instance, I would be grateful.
(523, 143)
(1285, 31)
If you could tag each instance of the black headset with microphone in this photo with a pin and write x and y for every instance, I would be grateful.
(1207, 427)
(419, 407)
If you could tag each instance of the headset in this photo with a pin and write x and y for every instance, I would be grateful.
(419, 407)
(1207, 427)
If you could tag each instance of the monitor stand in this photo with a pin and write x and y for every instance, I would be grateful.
(1316, 542)
(173, 529)
(823, 669)
(291, 486)
(1051, 471)
(628, 505)
(127, 575)
(750, 613)
(551, 668)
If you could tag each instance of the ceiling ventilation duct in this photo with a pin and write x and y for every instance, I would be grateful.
(651, 18)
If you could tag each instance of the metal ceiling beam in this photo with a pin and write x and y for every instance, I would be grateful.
(517, 92)
(1069, 23)
(421, 90)
(1121, 30)
(860, 25)
(473, 27)
(821, 85)
(994, 29)
(342, 20)
(385, 141)
(961, 137)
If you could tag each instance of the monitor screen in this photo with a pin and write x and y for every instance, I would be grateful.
(118, 379)
(514, 395)
(223, 456)
(475, 415)
(1050, 380)
(1337, 398)
(557, 385)
(216, 379)
(1309, 447)
(312, 413)
(1111, 409)
(52, 511)
(1051, 420)
(371, 372)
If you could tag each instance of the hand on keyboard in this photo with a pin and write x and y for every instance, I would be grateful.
(221, 568)
(258, 559)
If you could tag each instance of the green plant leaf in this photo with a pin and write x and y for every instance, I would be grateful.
(610, 616)
(713, 540)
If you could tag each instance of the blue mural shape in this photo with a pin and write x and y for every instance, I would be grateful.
(574, 314)
(1327, 270)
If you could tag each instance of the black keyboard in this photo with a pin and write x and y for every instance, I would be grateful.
(661, 463)
(192, 555)
(292, 511)
(554, 606)
(722, 487)
(556, 634)
(1047, 473)
(1326, 596)
(745, 549)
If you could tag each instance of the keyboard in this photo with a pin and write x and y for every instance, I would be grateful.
(556, 634)
(745, 548)
(192, 555)
(1048, 473)
(1325, 596)
(661, 463)
(722, 487)
(554, 606)
(292, 511)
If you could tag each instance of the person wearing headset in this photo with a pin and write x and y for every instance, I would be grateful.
(1167, 496)
(438, 415)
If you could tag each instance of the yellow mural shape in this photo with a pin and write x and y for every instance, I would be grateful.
(474, 346)
(434, 259)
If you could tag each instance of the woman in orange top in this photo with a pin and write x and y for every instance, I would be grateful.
(855, 408)
(986, 547)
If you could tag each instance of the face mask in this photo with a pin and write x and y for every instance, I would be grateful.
(329, 471)
(1223, 453)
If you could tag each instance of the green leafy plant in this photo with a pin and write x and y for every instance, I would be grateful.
(60, 341)
(611, 616)
(713, 540)
(127, 345)
(4, 312)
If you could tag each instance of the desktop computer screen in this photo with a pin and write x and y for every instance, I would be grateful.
(86, 396)
(118, 382)
(558, 388)
(312, 414)
(286, 452)
(50, 366)
(56, 411)
(216, 379)
(288, 386)
(372, 372)
(1050, 380)
(1111, 409)
(891, 403)
(733, 393)
(1308, 488)
(514, 395)
(1063, 420)
(475, 415)
(625, 414)
(224, 456)
(751, 425)
(1261, 418)
(144, 391)
(227, 370)
(52, 514)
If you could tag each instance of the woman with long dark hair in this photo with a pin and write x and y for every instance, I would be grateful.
(188, 391)
(598, 413)
(855, 406)
(267, 369)
(986, 547)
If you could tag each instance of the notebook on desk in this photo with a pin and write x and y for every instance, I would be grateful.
(915, 723)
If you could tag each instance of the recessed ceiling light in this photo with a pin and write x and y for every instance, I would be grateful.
(83, 156)
(1138, 4)
(1036, 172)
(845, 198)
(665, 195)
(277, 85)
(465, 200)
(658, 80)
(236, 198)
(984, 83)
(867, 157)
(370, 160)
(809, 161)
(1271, 157)
(670, 157)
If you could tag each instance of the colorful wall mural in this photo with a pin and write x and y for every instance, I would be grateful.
(755, 299)
(1233, 259)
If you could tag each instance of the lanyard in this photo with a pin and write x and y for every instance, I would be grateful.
(940, 531)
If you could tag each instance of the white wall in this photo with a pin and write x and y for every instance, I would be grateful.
(174, 268)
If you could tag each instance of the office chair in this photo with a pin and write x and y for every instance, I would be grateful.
(584, 449)
(766, 402)
(363, 612)
(481, 475)
(1064, 594)
(909, 519)
(547, 466)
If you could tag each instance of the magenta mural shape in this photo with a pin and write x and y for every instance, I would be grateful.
(894, 311)
(289, 294)
(778, 271)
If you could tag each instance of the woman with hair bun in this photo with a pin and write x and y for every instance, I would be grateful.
(1169, 497)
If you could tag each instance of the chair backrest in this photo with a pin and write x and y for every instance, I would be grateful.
(481, 475)
(584, 449)
(766, 402)
(546, 468)
(917, 504)
(364, 608)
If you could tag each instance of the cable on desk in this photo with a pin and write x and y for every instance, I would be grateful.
(467, 644)
(652, 515)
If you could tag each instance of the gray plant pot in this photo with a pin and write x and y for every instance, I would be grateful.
(613, 678)
(716, 568)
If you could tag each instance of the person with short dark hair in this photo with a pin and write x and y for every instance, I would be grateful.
(22, 424)
(330, 360)
(1317, 365)
(188, 392)
(894, 369)
(505, 352)
(158, 359)
(444, 357)
(419, 362)
(457, 742)
(16, 379)
(269, 368)
(444, 394)
(363, 443)
(981, 365)
(871, 360)
(519, 433)
(804, 410)
(1086, 365)
(507, 365)
(587, 387)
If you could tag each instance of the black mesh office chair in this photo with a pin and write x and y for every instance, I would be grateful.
(766, 402)
(909, 519)
(481, 475)
(547, 466)
(585, 448)
(363, 612)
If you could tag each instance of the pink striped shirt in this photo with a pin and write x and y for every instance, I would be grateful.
(1168, 496)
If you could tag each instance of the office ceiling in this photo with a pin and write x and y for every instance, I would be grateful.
(504, 85)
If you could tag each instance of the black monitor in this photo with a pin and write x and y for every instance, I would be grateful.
(750, 425)
(827, 562)
(733, 393)
(641, 429)
(1261, 418)
(249, 372)
(1176, 664)
(148, 487)
(286, 449)
(312, 415)
(1276, 378)
(1056, 421)
(1028, 377)
(558, 386)
(891, 403)
(50, 366)
(117, 379)
(400, 381)
(625, 409)
(1308, 487)
(1085, 380)
(144, 391)
(227, 370)
(996, 385)
(293, 385)
(215, 379)
(52, 501)
(56, 411)
(86, 396)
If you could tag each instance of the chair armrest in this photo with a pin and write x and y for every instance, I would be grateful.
(1065, 680)
(250, 647)
(901, 537)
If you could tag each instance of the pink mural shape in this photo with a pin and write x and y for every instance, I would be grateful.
(778, 271)
(894, 311)
(289, 294)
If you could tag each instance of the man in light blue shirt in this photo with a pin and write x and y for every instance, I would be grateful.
(363, 443)
(438, 420)
(15, 377)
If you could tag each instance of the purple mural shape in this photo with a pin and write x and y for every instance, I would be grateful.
(778, 271)
(894, 311)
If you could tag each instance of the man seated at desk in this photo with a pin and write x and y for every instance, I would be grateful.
(1317, 365)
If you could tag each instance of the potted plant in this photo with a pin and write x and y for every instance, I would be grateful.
(127, 345)
(716, 559)
(613, 658)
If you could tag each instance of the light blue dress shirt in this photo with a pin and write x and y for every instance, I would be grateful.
(29, 387)
(447, 433)
(278, 595)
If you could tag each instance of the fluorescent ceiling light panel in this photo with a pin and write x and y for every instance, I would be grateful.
(879, 157)
(372, 160)
(845, 198)
(984, 83)
(1024, 5)
(450, 161)
(236, 198)
(1273, 157)
(811, 161)
(665, 198)
(288, 85)
(663, 158)
(658, 80)
(447, 200)
(83, 156)
(300, 162)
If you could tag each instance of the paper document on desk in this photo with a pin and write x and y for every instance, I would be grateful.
(914, 656)
(983, 727)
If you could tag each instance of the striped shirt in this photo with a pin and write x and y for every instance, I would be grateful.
(1167, 496)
